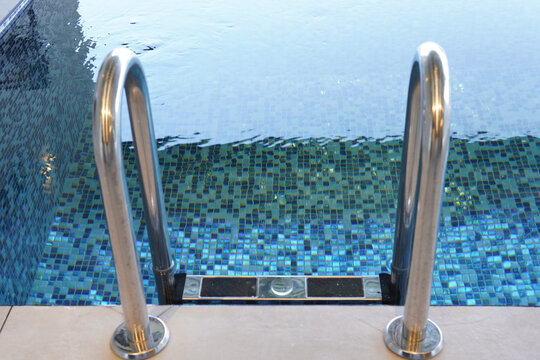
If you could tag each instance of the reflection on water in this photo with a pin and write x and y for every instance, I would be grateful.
(230, 70)
(47, 171)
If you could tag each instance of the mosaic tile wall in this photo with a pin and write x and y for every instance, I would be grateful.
(317, 207)
(45, 92)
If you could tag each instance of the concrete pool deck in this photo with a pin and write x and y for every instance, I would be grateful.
(267, 332)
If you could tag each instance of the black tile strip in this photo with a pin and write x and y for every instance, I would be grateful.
(335, 287)
(229, 287)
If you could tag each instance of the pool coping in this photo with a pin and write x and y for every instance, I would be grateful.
(7, 17)
(267, 332)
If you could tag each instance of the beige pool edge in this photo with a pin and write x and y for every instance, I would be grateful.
(9, 10)
(6, 6)
(267, 332)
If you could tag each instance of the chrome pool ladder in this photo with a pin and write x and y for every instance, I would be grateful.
(140, 336)
(424, 157)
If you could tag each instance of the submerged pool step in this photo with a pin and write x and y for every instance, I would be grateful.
(282, 288)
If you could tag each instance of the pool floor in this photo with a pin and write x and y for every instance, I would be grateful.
(307, 207)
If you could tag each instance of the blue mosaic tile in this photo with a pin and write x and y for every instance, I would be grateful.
(45, 93)
(311, 208)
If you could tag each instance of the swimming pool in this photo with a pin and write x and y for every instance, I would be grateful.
(280, 141)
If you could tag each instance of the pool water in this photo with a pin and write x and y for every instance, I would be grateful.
(269, 166)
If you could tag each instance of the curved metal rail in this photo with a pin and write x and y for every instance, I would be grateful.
(425, 152)
(140, 336)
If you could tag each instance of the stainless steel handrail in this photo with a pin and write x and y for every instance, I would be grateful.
(425, 152)
(140, 336)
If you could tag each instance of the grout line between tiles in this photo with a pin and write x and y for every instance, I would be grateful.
(5, 320)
